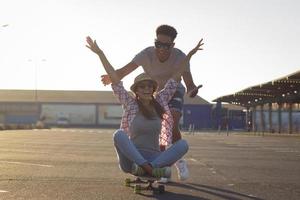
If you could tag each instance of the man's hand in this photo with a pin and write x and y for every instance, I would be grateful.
(198, 47)
(92, 45)
(105, 80)
(193, 91)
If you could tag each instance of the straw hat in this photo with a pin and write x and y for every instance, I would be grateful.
(140, 78)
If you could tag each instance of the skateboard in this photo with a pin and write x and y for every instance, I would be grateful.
(141, 183)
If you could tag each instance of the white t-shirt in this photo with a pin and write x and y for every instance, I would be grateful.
(157, 70)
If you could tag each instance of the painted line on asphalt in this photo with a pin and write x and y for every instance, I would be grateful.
(24, 163)
(76, 131)
(212, 170)
(287, 151)
(192, 159)
(70, 130)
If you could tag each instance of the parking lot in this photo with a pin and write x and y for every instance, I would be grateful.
(81, 164)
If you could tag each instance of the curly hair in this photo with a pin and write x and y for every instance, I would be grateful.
(167, 30)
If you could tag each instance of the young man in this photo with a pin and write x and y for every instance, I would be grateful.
(159, 62)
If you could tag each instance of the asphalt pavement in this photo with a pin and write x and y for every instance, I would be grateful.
(82, 164)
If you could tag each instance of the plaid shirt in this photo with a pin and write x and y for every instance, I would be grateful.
(131, 108)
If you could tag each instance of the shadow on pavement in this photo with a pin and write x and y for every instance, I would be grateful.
(214, 191)
(173, 196)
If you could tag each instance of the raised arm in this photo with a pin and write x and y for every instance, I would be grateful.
(93, 46)
(178, 73)
(170, 87)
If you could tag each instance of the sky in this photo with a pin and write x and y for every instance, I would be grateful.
(246, 42)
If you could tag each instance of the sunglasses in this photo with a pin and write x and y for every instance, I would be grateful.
(162, 45)
(145, 84)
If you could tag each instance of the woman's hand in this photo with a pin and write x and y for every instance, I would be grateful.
(92, 45)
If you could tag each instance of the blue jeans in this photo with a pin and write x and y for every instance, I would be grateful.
(128, 154)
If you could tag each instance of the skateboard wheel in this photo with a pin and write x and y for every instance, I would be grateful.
(137, 189)
(127, 182)
(161, 189)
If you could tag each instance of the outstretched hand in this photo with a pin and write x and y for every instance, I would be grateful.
(192, 93)
(92, 45)
(198, 47)
(105, 79)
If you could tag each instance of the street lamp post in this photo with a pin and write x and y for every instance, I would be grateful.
(35, 77)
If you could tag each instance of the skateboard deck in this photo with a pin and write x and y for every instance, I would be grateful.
(140, 183)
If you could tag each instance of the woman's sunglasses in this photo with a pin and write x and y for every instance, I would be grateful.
(145, 84)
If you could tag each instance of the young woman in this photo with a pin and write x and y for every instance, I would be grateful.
(146, 122)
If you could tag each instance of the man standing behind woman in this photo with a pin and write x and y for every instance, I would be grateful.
(159, 62)
(146, 121)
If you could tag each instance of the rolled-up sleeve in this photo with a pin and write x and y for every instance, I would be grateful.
(119, 91)
(168, 91)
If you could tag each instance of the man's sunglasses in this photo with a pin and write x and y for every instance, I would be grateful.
(161, 45)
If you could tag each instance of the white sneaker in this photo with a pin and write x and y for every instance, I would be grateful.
(164, 180)
(182, 170)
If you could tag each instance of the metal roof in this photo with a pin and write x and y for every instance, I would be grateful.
(282, 90)
(60, 96)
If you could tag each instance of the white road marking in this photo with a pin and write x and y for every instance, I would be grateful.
(23, 163)
(192, 159)
(2, 191)
(251, 195)
(72, 130)
(286, 151)
(212, 170)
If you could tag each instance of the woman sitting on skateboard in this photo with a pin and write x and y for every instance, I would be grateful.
(146, 122)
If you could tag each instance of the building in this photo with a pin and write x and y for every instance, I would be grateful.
(229, 117)
(273, 106)
(82, 108)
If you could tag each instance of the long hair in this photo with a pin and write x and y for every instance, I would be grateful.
(158, 108)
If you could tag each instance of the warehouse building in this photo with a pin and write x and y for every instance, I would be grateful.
(272, 107)
(83, 108)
